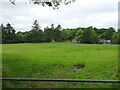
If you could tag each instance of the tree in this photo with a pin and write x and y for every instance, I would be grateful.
(118, 36)
(71, 33)
(8, 34)
(50, 3)
(115, 38)
(47, 34)
(57, 33)
(52, 34)
(79, 35)
(21, 37)
(100, 31)
(89, 36)
(1, 29)
(108, 34)
(64, 34)
(36, 34)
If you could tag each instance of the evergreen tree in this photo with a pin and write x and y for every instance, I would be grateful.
(36, 34)
(52, 34)
(57, 33)
(8, 34)
(1, 29)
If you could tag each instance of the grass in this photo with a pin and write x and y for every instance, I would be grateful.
(56, 60)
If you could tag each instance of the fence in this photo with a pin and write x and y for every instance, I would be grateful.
(60, 80)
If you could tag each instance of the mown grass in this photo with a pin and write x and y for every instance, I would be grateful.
(56, 60)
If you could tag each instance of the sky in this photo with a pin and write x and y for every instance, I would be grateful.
(81, 13)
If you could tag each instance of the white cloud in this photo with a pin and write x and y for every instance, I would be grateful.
(82, 13)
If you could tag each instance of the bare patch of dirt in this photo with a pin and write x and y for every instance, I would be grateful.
(78, 67)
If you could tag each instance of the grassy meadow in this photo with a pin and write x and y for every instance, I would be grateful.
(57, 60)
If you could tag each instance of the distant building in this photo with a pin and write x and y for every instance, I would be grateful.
(74, 40)
(103, 41)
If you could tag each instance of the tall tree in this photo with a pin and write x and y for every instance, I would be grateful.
(36, 34)
(115, 38)
(118, 36)
(53, 34)
(1, 31)
(8, 34)
(48, 34)
(89, 36)
(79, 35)
(108, 34)
(57, 33)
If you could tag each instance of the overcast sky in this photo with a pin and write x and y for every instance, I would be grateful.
(81, 13)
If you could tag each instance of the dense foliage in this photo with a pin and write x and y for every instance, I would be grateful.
(89, 35)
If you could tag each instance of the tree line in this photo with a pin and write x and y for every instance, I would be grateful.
(89, 35)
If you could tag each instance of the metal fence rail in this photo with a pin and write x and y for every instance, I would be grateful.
(60, 80)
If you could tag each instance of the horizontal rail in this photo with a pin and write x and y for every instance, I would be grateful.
(61, 80)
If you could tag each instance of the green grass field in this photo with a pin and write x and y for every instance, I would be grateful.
(57, 60)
